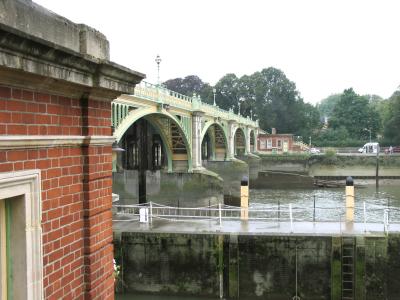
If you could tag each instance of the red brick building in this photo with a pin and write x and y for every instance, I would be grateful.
(56, 86)
(276, 143)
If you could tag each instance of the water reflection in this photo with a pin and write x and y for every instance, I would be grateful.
(330, 202)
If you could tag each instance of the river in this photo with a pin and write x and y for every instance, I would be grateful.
(330, 202)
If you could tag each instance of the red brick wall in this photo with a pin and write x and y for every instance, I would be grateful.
(76, 189)
(27, 112)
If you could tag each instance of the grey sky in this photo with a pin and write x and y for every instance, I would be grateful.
(323, 46)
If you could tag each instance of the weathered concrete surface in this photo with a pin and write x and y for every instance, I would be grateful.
(173, 189)
(37, 21)
(319, 166)
(257, 227)
(42, 49)
(168, 264)
(274, 179)
(232, 173)
(257, 267)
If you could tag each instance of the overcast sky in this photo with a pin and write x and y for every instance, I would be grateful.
(323, 46)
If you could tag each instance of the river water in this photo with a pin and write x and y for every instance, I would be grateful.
(329, 203)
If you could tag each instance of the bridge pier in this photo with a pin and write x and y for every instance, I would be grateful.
(196, 140)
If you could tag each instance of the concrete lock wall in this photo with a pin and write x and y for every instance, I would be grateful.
(174, 189)
(297, 170)
(256, 267)
(232, 173)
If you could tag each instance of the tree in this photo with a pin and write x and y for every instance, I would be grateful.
(392, 124)
(267, 95)
(190, 85)
(325, 106)
(354, 113)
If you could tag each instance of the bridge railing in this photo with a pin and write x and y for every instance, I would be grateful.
(366, 214)
(160, 94)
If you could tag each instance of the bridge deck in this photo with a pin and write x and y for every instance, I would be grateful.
(253, 227)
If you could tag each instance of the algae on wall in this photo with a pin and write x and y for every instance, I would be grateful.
(170, 264)
(268, 267)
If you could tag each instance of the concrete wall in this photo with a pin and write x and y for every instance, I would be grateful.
(232, 173)
(256, 267)
(264, 173)
(174, 189)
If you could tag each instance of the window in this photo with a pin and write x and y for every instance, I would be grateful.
(269, 143)
(279, 144)
(133, 155)
(21, 235)
(262, 144)
(157, 158)
(3, 249)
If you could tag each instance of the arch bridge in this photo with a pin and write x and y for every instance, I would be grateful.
(162, 129)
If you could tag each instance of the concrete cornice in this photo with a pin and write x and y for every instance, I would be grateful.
(40, 63)
(9, 142)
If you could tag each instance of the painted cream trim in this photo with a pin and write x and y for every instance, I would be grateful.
(3, 257)
(27, 184)
(46, 141)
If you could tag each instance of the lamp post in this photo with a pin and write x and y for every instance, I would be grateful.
(158, 61)
(241, 99)
(214, 92)
(369, 133)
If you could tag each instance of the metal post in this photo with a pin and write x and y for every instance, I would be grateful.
(279, 211)
(220, 215)
(151, 212)
(365, 218)
(377, 167)
(314, 210)
(291, 217)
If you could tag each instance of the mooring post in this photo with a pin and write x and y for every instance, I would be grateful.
(349, 202)
(244, 198)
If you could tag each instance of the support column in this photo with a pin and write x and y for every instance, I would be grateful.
(231, 139)
(248, 133)
(196, 139)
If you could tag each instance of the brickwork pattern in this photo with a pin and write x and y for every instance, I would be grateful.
(25, 112)
(76, 189)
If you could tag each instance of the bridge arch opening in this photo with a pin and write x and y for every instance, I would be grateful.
(239, 142)
(214, 143)
(153, 143)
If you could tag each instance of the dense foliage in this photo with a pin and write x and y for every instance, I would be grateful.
(268, 96)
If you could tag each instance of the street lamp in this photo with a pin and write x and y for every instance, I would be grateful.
(158, 61)
(214, 92)
(241, 99)
(369, 133)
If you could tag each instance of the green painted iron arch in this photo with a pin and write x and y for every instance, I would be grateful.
(208, 125)
(224, 133)
(244, 137)
(145, 113)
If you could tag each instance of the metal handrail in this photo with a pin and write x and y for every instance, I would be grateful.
(282, 213)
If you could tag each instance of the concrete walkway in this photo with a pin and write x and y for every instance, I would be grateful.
(252, 227)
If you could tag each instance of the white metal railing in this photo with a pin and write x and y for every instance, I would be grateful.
(277, 213)
(161, 94)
